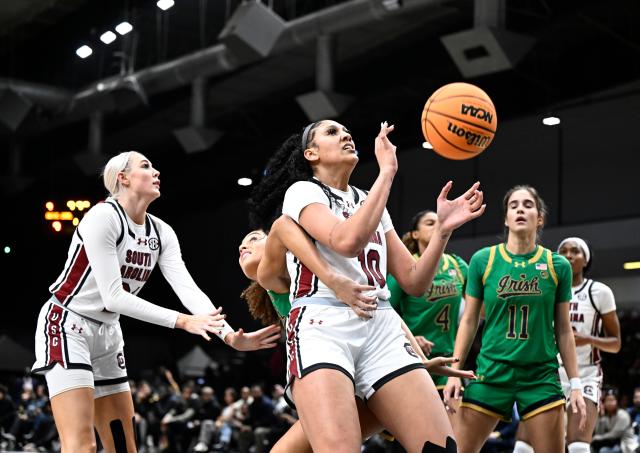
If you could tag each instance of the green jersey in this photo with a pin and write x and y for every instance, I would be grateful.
(280, 303)
(435, 314)
(519, 294)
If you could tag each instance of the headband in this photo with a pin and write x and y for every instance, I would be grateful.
(581, 243)
(305, 135)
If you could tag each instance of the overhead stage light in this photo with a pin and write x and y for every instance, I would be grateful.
(84, 51)
(165, 4)
(124, 27)
(108, 37)
(551, 121)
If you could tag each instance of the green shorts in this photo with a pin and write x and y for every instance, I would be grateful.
(534, 388)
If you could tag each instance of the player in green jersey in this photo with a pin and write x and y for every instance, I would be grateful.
(432, 318)
(525, 290)
(258, 254)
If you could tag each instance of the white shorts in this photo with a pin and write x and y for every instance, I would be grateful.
(325, 333)
(90, 353)
(591, 377)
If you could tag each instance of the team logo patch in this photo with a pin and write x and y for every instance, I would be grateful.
(410, 351)
(153, 243)
(582, 296)
(544, 274)
(120, 360)
(588, 390)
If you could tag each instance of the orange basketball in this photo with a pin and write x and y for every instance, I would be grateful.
(459, 121)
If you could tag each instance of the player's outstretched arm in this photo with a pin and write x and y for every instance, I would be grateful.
(264, 338)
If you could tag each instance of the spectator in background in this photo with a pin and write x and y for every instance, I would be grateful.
(634, 411)
(258, 423)
(7, 409)
(613, 432)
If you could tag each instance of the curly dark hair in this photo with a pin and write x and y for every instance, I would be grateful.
(260, 305)
(287, 166)
(409, 242)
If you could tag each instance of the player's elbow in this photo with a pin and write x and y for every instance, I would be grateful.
(615, 347)
(348, 247)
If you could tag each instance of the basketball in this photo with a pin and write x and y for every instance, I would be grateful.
(459, 121)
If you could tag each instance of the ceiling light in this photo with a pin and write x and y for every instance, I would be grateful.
(108, 37)
(165, 4)
(84, 51)
(245, 182)
(632, 265)
(124, 27)
(427, 145)
(551, 121)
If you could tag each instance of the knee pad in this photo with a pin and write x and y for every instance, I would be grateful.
(522, 447)
(119, 439)
(450, 447)
(579, 447)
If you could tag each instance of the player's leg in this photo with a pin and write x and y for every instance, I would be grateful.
(115, 422)
(293, 440)
(522, 441)
(326, 405)
(411, 409)
(71, 393)
(473, 428)
(545, 430)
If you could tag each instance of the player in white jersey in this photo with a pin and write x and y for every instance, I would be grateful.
(332, 353)
(596, 328)
(79, 344)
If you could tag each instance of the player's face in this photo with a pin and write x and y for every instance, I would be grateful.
(426, 226)
(251, 250)
(573, 252)
(143, 179)
(522, 213)
(332, 145)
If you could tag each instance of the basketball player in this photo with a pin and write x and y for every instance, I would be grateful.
(525, 290)
(595, 328)
(333, 354)
(79, 343)
(259, 252)
(433, 317)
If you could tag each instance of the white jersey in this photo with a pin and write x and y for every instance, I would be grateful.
(368, 268)
(590, 301)
(111, 258)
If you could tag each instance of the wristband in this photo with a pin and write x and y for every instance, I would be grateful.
(575, 383)
(224, 330)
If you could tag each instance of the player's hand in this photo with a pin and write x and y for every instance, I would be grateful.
(201, 324)
(353, 294)
(264, 338)
(578, 405)
(581, 339)
(438, 365)
(425, 344)
(451, 392)
(385, 150)
(457, 212)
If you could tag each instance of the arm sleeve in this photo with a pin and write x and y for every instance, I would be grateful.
(175, 271)
(299, 196)
(603, 298)
(477, 265)
(99, 230)
(563, 271)
(396, 294)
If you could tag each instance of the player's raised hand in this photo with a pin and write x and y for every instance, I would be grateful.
(457, 212)
(385, 150)
(201, 324)
(264, 338)
(425, 345)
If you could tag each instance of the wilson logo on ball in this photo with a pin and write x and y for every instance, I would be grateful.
(459, 121)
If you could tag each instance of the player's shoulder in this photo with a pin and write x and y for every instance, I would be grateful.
(303, 186)
(457, 259)
(482, 255)
(104, 210)
(600, 288)
(163, 227)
